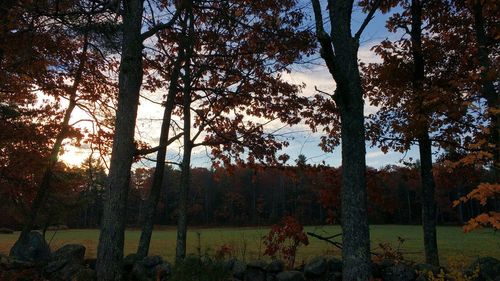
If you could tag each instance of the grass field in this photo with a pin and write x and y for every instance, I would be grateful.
(452, 242)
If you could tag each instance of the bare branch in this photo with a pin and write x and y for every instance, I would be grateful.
(161, 26)
(368, 18)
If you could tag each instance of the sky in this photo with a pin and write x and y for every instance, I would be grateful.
(302, 140)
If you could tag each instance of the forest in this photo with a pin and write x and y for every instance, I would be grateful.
(237, 83)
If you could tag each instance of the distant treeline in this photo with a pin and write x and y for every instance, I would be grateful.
(243, 196)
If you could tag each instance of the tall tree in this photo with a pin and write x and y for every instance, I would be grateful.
(111, 239)
(339, 50)
(428, 102)
(49, 76)
(232, 71)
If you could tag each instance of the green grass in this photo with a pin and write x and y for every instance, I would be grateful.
(452, 242)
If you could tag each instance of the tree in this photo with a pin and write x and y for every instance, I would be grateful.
(231, 69)
(428, 102)
(27, 79)
(339, 51)
(111, 239)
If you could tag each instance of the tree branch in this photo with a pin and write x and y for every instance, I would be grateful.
(154, 149)
(368, 18)
(161, 26)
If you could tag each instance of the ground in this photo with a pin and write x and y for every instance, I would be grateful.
(453, 243)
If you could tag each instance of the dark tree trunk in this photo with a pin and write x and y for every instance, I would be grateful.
(110, 248)
(180, 251)
(154, 197)
(339, 50)
(489, 92)
(428, 201)
(356, 237)
(424, 142)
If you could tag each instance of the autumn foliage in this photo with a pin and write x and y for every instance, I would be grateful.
(284, 239)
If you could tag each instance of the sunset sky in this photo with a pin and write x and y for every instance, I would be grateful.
(300, 137)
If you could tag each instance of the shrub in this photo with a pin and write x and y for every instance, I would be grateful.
(284, 239)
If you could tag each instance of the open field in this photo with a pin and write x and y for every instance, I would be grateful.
(453, 243)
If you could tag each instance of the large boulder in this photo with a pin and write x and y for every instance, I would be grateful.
(163, 271)
(85, 274)
(72, 252)
(140, 272)
(255, 271)
(152, 261)
(334, 265)
(68, 272)
(486, 268)
(316, 267)
(290, 276)
(33, 249)
(239, 269)
(275, 266)
(399, 272)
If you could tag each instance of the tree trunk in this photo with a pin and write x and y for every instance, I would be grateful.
(154, 197)
(424, 142)
(180, 251)
(340, 52)
(489, 92)
(356, 237)
(428, 202)
(111, 239)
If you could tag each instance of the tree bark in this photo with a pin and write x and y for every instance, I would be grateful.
(489, 92)
(428, 201)
(180, 251)
(424, 142)
(111, 239)
(339, 50)
(154, 197)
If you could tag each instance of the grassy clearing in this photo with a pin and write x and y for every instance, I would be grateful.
(453, 243)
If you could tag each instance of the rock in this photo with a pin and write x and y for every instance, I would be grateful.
(90, 263)
(85, 274)
(385, 263)
(68, 272)
(316, 267)
(290, 276)
(257, 264)
(275, 266)
(271, 277)
(489, 269)
(140, 272)
(151, 261)
(334, 276)
(33, 249)
(54, 266)
(8, 263)
(399, 272)
(254, 274)
(334, 265)
(227, 265)
(162, 271)
(73, 252)
(239, 269)
(4, 230)
(128, 262)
